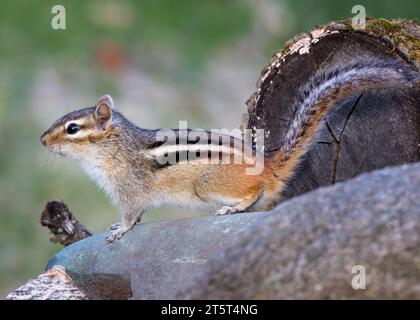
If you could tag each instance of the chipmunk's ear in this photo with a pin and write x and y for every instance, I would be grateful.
(103, 111)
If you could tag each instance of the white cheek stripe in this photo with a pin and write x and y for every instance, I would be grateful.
(80, 134)
(78, 121)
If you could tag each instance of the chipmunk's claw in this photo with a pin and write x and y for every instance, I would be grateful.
(115, 234)
(227, 210)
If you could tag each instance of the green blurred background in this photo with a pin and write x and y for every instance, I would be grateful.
(161, 60)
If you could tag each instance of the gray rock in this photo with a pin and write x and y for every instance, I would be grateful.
(153, 261)
(306, 248)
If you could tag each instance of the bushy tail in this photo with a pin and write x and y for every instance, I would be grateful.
(323, 91)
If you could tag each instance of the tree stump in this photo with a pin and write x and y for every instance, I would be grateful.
(366, 131)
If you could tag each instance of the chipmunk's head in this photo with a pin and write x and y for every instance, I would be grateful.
(78, 132)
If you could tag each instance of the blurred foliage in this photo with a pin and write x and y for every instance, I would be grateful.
(194, 31)
(195, 28)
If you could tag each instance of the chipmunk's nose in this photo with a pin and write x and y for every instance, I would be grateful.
(44, 139)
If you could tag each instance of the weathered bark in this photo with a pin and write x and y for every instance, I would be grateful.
(54, 284)
(367, 131)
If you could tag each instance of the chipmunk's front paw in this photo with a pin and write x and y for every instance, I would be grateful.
(227, 210)
(115, 234)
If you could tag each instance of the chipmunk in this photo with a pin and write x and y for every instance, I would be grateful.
(125, 160)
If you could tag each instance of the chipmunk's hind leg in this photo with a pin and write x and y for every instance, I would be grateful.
(242, 206)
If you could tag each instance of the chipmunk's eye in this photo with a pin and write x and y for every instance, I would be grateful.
(73, 128)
